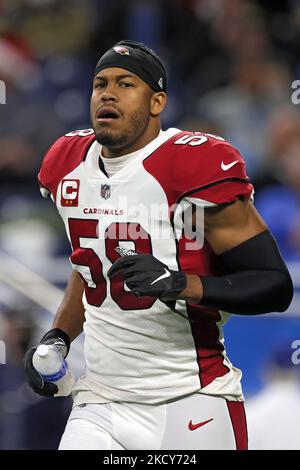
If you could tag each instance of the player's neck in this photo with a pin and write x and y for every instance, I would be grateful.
(141, 142)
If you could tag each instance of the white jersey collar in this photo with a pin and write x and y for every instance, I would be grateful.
(114, 166)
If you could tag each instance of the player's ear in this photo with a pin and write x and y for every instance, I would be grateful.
(158, 102)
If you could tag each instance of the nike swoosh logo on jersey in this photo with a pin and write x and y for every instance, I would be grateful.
(192, 426)
(167, 274)
(230, 165)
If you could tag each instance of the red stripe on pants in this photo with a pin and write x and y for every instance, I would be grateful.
(239, 423)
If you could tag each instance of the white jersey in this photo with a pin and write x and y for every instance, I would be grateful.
(138, 349)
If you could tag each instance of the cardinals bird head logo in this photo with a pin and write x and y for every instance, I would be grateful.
(121, 50)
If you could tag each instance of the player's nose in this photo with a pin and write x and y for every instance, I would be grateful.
(106, 98)
(109, 95)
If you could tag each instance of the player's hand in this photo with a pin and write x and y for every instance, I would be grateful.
(146, 275)
(34, 379)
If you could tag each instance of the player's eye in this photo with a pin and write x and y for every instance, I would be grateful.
(126, 84)
(99, 85)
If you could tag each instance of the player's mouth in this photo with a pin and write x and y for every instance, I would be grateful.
(107, 114)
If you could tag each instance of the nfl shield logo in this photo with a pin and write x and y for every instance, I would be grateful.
(105, 191)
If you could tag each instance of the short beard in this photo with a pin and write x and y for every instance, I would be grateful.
(137, 125)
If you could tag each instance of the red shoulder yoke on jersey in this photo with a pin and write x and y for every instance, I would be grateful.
(63, 157)
(199, 166)
(187, 165)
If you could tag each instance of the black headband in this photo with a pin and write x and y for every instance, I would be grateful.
(138, 59)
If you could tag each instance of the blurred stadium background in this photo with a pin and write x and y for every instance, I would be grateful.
(231, 64)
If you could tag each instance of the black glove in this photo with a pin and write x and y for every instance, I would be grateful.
(146, 275)
(34, 378)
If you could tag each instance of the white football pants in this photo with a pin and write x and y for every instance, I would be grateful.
(194, 422)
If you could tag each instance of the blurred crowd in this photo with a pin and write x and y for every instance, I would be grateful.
(231, 65)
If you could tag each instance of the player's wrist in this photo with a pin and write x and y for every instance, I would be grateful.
(193, 291)
(54, 335)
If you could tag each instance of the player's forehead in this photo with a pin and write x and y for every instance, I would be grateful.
(115, 73)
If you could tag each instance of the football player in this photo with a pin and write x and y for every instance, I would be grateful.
(150, 298)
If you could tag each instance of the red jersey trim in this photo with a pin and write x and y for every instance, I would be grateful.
(62, 158)
(213, 183)
(238, 420)
(208, 347)
(230, 194)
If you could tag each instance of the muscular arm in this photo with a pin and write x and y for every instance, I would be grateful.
(257, 279)
(70, 314)
(229, 226)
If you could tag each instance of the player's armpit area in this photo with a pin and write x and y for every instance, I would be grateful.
(232, 224)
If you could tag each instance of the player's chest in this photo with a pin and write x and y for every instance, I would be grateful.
(132, 196)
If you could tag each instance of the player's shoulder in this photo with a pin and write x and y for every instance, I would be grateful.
(64, 155)
(207, 153)
(202, 145)
(187, 153)
(78, 140)
(190, 161)
(207, 158)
